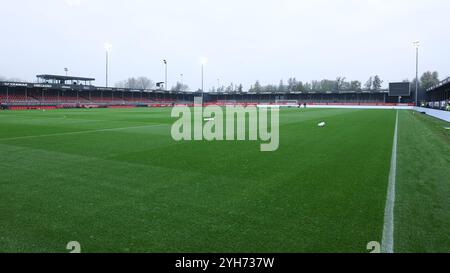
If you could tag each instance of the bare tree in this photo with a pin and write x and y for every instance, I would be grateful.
(376, 82)
(429, 79)
(368, 84)
(180, 87)
(137, 83)
(355, 85)
(340, 82)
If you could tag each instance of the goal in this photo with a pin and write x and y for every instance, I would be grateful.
(227, 102)
(287, 103)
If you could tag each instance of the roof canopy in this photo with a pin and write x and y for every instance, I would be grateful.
(64, 78)
(445, 84)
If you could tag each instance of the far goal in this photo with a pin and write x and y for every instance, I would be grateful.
(227, 102)
(287, 103)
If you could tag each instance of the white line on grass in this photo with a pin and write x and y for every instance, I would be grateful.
(387, 242)
(80, 132)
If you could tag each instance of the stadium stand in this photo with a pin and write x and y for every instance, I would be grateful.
(438, 96)
(61, 91)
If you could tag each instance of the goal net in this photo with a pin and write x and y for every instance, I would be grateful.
(227, 102)
(287, 103)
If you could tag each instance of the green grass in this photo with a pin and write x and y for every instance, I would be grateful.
(423, 185)
(134, 189)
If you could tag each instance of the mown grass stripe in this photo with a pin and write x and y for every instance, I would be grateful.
(80, 132)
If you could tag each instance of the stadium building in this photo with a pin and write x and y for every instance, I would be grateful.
(55, 91)
(438, 96)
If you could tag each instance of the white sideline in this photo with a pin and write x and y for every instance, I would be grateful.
(387, 242)
(362, 107)
(80, 132)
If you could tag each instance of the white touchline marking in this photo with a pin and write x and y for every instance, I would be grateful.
(387, 242)
(80, 132)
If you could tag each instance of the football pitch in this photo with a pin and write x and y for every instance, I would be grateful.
(114, 180)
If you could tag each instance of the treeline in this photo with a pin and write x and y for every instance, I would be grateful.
(146, 83)
(293, 85)
(427, 80)
(136, 83)
(340, 84)
(229, 89)
(5, 79)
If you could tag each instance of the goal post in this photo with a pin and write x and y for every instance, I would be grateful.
(227, 102)
(287, 103)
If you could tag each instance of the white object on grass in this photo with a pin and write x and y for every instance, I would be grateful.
(322, 124)
(208, 119)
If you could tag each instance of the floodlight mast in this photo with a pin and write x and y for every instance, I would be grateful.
(165, 77)
(417, 45)
(203, 61)
(108, 47)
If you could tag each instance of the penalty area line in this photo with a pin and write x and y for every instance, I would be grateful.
(387, 242)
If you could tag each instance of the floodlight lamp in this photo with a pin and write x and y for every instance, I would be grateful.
(108, 47)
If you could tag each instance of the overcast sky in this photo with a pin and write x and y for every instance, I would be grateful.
(243, 40)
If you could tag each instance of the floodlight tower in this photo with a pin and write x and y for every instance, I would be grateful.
(66, 70)
(417, 45)
(203, 61)
(108, 48)
(165, 77)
